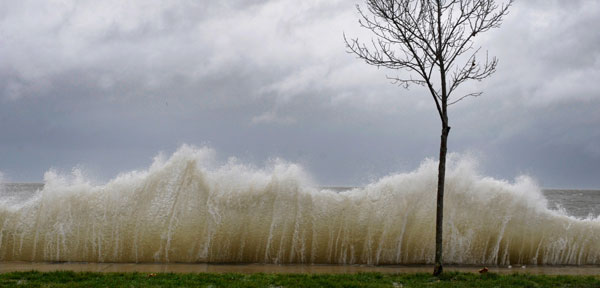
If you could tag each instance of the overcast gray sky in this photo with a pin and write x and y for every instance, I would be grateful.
(106, 85)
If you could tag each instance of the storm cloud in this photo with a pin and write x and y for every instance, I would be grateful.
(106, 85)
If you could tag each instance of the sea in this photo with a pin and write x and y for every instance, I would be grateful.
(187, 209)
(583, 204)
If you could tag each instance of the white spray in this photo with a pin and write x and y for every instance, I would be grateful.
(185, 210)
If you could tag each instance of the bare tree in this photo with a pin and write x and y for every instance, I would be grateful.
(434, 41)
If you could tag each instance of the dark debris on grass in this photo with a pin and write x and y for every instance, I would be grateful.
(452, 279)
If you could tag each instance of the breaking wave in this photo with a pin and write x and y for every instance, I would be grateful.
(186, 209)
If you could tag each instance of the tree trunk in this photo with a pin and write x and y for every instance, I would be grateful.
(440, 200)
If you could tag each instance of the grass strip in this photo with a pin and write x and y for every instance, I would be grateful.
(452, 279)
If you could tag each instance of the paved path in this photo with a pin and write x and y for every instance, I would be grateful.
(272, 268)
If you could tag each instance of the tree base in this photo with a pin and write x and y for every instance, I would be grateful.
(438, 269)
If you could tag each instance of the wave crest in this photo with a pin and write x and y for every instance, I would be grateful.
(186, 208)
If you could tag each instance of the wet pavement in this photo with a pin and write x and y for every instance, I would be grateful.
(273, 268)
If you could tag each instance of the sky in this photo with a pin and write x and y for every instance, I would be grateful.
(104, 86)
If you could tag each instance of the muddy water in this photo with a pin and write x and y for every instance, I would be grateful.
(185, 210)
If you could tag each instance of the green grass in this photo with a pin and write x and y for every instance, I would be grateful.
(453, 279)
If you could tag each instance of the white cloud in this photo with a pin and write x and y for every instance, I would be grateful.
(269, 63)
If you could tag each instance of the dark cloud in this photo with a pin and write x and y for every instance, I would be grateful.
(106, 85)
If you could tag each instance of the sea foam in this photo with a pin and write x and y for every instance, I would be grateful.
(187, 209)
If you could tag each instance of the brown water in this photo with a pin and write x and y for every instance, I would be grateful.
(183, 210)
